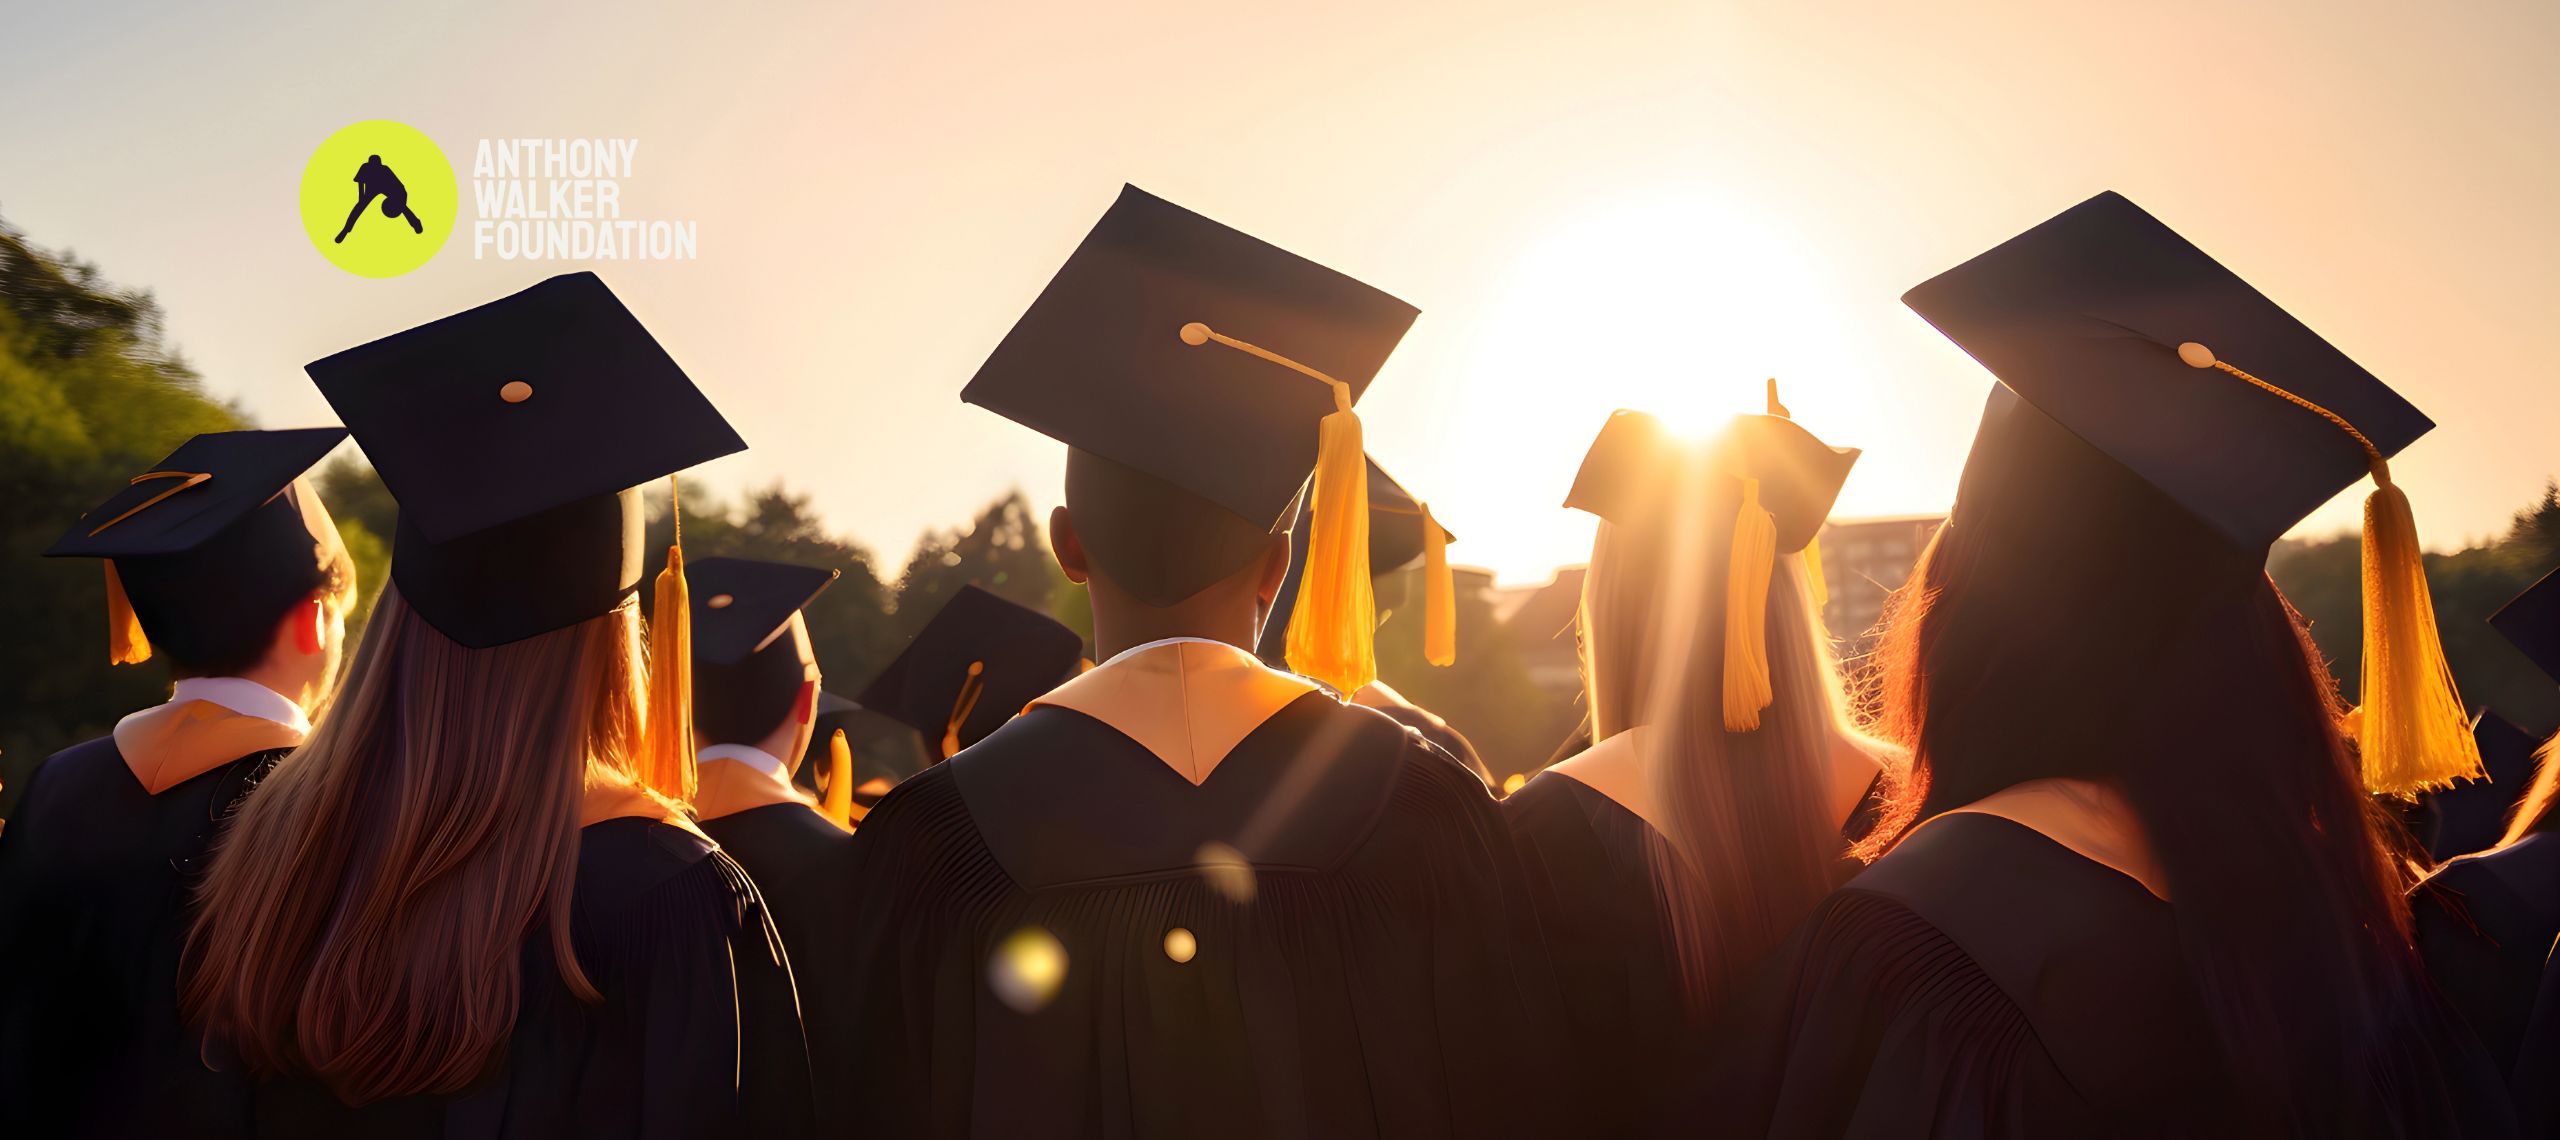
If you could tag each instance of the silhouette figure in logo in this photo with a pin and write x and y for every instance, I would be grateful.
(374, 180)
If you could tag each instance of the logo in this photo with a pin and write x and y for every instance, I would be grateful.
(378, 198)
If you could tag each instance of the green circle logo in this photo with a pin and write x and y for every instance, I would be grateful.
(378, 198)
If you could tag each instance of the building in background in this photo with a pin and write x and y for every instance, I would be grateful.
(1863, 561)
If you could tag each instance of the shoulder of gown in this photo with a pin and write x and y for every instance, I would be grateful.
(1353, 957)
(2485, 924)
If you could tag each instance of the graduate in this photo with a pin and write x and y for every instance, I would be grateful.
(1401, 533)
(1673, 855)
(2134, 885)
(2486, 923)
(471, 904)
(221, 561)
(1187, 894)
(978, 662)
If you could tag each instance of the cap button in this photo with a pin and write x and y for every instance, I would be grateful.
(515, 392)
(2196, 355)
(720, 601)
(1195, 334)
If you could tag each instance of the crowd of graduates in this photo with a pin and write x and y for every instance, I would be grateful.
(2102, 852)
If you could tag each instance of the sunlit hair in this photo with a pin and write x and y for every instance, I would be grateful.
(1750, 840)
(2088, 628)
(363, 917)
(2532, 812)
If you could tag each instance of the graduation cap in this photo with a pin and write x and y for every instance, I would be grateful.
(1209, 359)
(1777, 479)
(2531, 622)
(971, 668)
(747, 668)
(1401, 529)
(211, 544)
(2113, 326)
(515, 437)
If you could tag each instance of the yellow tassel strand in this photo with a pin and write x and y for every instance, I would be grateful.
(1814, 582)
(971, 687)
(2411, 728)
(1439, 596)
(1332, 632)
(1746, 612)
(666, 763)
(126, 643)
(838, 807)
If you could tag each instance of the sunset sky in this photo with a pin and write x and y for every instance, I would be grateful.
(1596, 205)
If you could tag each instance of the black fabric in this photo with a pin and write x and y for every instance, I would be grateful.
(801, 866)
(2472, 815)
(1382, 980)
(2486, 925)
(94, 875)
(1441, 734)
(2536, 1076)
(1982, 980)
(697, 1036)
(2531, 622)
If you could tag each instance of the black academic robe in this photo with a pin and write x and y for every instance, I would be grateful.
(1984, 981)
(1628, 1043)
(94, 879)
(800, 863)
(1379, 980)
(697, 1036)
(2486, 925)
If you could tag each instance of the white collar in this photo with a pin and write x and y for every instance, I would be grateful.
(245, 697)
(749, 755)
(1159, 643)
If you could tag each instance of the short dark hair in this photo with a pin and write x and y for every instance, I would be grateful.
(231, 637)
(1157, 541)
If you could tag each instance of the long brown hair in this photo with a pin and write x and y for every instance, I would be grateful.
(1749, 839)
(2086, 627)
(363, 917)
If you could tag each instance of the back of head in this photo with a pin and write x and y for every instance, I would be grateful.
(365, 913)
(2087, 627)
(1160, 543)
(1749, 842)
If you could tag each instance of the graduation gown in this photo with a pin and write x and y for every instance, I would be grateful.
(95, 870)
(2485, 924)
(1362, 967)
(1626, 1044)
(697, 1035)
(799, 861)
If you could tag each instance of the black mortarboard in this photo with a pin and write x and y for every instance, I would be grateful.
(2531, 622)
(2134, 341)
(971, 668)
(746, 674)
(1099, 361)
(515, 436)
(1636, 462)
(2084, 315)
(214, 542)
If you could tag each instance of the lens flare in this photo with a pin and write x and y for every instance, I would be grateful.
(1027, 969)
(1227, 870)
(1179, 944)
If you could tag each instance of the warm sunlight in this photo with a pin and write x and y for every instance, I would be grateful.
(1677, 304)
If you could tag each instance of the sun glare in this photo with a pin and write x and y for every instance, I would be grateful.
(1682, 306)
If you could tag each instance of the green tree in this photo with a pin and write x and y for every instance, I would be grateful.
(1002, 551)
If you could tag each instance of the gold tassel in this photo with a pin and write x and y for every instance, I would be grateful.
(2411, 729)
(666, 763)
(1814, 583)
(1746, 612)
(1333, 630)
(126, 643)
(1439, 596)
(838, 807)
(971, 687)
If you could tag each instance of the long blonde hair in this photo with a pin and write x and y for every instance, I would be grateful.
(1749, 839)
(363, 917)
(2531, 808)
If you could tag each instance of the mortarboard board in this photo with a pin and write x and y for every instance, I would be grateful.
(515, 437)
(1202, 356)
(2530, 621)
(746, 672)
(216, 540)
(971, 668)
(1776, 479)
(2111, 325)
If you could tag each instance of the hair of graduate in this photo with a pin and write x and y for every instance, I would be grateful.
(2086, 627)
(225, 637)
(2532, 811)
(1749, 840)
(364, 914)
(1160, 543)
